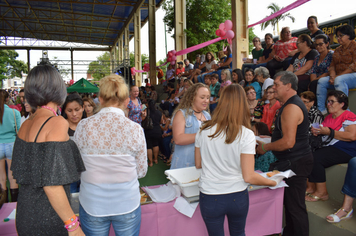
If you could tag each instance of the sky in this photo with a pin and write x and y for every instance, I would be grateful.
(257, 10)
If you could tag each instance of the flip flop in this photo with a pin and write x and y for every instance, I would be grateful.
(307, 194)
(337, 219)
(314, 198)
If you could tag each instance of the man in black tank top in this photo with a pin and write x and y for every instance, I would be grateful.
(291, 147)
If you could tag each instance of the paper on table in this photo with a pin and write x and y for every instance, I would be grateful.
(12, 215)
(164, 193)
(185, 207)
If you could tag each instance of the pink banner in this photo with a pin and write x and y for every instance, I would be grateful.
(196, 47)
(280, 12)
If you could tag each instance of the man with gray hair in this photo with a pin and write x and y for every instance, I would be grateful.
(189, 67)
(291, 147)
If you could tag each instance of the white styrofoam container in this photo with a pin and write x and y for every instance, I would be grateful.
(182, 177)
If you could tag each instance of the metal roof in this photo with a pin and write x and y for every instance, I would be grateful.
(81, 21)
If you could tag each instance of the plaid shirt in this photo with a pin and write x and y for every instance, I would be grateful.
(214, 90)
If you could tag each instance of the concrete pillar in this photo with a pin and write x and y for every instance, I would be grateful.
(239, 10)
(71, 63)
(28, 60)
(180, 25)
(137, 37)
(152, 40)
(111, 60)
(120, 48)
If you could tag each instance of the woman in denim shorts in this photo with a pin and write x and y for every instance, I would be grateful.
(10, 121)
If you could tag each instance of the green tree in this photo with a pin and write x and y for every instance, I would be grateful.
(203, 18)
(275, 21)
(101, 67)
(144, 60)
(9, 66)
(164, 68)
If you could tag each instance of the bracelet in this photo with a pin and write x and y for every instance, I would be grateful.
(71, 219)
(71, 230)
(71, 225)
(263, 148)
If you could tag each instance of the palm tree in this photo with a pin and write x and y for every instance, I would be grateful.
(275, 21)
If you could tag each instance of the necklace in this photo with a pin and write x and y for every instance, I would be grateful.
(198, 112)
(50, 108)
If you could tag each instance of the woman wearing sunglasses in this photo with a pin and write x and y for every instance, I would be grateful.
(339, 132)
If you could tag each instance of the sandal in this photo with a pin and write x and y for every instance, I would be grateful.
(336, 219)
(314, 198)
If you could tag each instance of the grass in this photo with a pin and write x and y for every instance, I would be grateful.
(155, 175)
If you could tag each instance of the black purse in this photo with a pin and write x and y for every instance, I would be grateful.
(316, 142)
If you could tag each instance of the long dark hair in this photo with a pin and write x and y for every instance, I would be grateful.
(3, 96)
(72, 97)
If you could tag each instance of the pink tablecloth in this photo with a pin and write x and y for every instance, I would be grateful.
(161, 219)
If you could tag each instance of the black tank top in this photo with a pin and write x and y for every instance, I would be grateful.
(301, 146)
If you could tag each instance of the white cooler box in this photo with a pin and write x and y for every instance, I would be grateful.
(187, 179)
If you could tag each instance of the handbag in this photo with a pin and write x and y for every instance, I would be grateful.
(316, 142)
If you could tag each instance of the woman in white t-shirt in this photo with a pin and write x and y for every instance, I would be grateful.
(225, 149)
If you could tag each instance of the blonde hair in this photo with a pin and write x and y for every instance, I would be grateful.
(233, 104)
(188, 98)
(113, 89)
(227, 73)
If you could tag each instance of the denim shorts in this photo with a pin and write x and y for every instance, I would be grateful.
(6, 150)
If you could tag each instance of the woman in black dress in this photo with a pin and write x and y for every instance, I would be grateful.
(45, 160)
(153, 133)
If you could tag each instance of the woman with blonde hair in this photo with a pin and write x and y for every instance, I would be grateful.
(89, 106)
(186, 121)
(224, 150)
(114, 151)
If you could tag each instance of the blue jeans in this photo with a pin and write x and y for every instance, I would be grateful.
(349, 187)
(214, 208)
(341, 83)
(6, 150)
(124, 225)
(75, 187)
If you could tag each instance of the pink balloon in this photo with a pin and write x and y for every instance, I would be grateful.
(230, 34)
(174, 58)
(228, 25)
(169, 59)
(174, 52)
(222, 26)
(222, 33)
(133, 70)
(170, 54)
(173, 63)
(217, 32)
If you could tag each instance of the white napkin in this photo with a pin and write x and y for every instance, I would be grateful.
(185, 207)
(164, 193)
(264, 140)
(286, 174)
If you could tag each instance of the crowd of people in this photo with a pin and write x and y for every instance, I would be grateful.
(55, 143)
